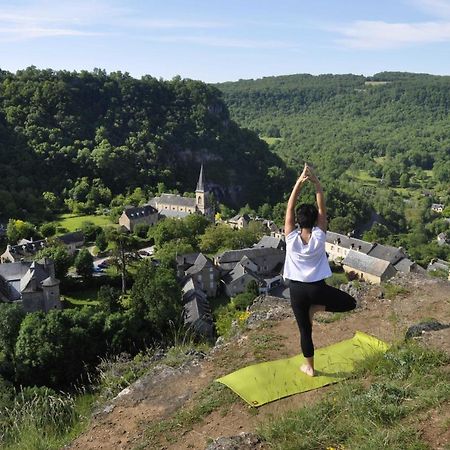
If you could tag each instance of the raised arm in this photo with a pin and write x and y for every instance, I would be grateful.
(289, 221)
(322, 221)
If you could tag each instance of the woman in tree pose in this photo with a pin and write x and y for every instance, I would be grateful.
(306, 265)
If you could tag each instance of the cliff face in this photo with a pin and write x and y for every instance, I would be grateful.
(182, 408)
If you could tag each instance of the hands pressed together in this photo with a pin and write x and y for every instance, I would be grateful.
(308, 174)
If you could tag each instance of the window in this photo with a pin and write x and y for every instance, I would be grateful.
(211, 285)
(199, 277)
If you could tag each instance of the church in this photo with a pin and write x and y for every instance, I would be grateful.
(173, 205)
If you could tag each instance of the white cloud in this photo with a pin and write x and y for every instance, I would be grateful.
(383, 35)
(435, 8)
(82, 18)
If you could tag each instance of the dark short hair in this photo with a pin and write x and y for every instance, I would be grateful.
(306, 215)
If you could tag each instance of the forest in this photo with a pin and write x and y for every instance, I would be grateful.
(380, 144)
(74, 141)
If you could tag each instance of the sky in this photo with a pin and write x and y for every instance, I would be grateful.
(226, 40)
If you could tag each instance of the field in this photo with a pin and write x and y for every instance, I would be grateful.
(270, 140)
(72, 222)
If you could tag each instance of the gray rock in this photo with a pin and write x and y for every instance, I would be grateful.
(422, 327)
(243, 441)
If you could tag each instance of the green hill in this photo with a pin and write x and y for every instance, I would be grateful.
(60, 129)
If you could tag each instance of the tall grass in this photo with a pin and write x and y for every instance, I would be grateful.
(39, 418)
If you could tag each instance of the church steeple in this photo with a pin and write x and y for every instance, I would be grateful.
(200, 184)
(201, 201)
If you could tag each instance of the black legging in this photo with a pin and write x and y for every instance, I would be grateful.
(303, 295)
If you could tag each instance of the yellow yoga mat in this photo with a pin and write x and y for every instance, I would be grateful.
(268, 381)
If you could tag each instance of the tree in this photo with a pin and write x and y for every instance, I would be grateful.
(47, 229)
(156, 295)
(11, 316)
(101, 242)
(123, 242)
(84, 263)
(90, 230)
(20, 229)
(109, 299)
(60, 256)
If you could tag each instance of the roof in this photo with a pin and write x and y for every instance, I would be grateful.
(348, 242)
(365, 263)
(187, 258)
(200, 184)
(387, 253)
(15, 270)
(72, 238)
(438, 264)
(236, 255)
(239, 271)
(269, 242)
(174, 214)
(173, 200)
(26, 249)
(246, 217)
(50, 281)
(404, 265)
(139, 211)
(200, 263)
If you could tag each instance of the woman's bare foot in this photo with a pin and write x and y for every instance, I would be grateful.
(305, 368)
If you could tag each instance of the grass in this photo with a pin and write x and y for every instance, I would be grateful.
(391, 290)
(44, 421)
(376, 409)
(86, 296)
(263, 343)
(270, 140)
(72, 222)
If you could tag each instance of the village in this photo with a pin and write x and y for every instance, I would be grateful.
(33, 284)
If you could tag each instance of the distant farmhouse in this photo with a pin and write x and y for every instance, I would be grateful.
(438, 264)
(372, 262)
(437, 207)
(172, 205)
(73, 241)
(239, 221)
(32, 284)
(132, 216)
(24, 250)
(368, 268)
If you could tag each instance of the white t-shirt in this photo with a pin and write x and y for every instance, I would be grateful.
(306, 262)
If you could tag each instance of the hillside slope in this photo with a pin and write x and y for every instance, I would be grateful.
(181, 407)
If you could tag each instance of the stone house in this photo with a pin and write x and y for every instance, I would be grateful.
(24, 250)
(437, 207)
(196, 309)
(173, 205)
(239, 221)
(339, 245)
(237, 280)
(438, 264)
(33, 284)
(271, 242)
(268, 260)
(132, 216)
(368, 268)
(73, 241)
(205, 274)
